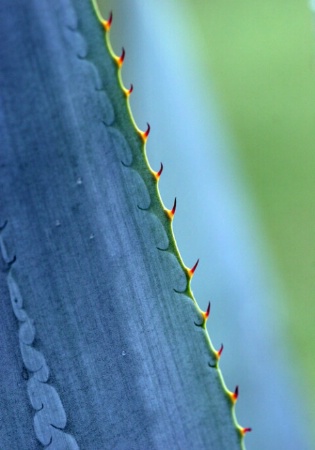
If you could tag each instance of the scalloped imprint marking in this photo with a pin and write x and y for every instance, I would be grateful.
(50, 418)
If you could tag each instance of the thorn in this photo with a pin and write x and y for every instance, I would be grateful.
(174, 208)
(193, 269)
(128, 91)
(245, 430)
(219, 352)
(207, 313)
(171, 212)
(121, 58)
(158, 174)
(107, 23)
(205, 316)
(234, 395)
(146, 133)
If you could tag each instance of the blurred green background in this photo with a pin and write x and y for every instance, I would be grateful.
(261, 57)
(255, 62)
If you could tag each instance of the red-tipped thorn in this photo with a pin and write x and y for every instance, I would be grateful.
(245, 430)
(128, 91)
(234, 395)
(193, 269)
(207, 313)
(121, 58)
(174, 208)
(171, 212)
(107, 23)
(219, 352)
(159, 173)
(146, 133)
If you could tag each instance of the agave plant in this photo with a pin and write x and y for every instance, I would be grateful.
(106, 346)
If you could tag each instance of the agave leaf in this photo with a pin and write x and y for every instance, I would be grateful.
(100, 327)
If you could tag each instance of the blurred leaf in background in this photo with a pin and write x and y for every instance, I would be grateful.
(261, 56)
(244, 203)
